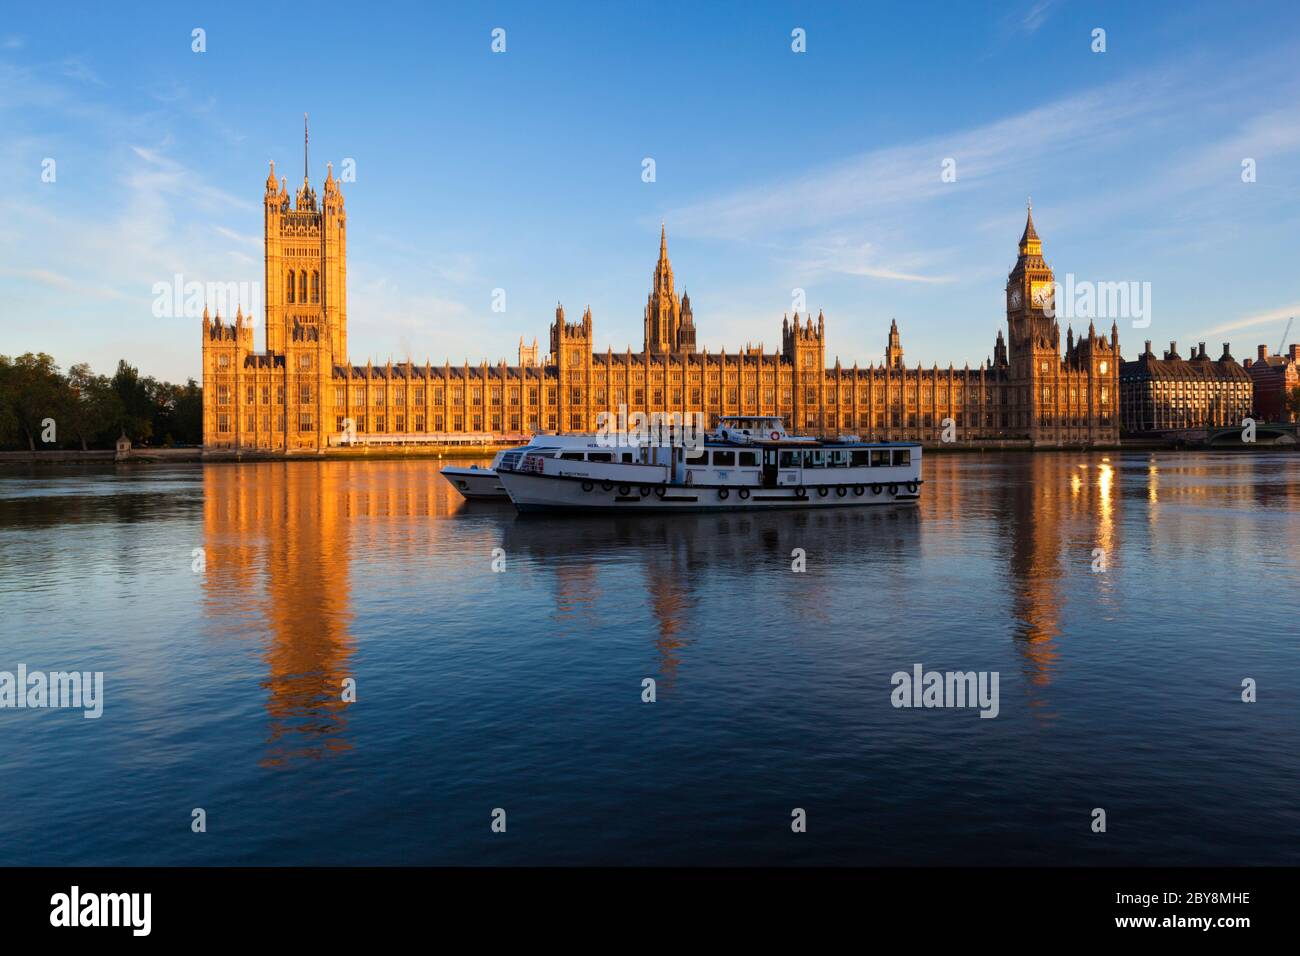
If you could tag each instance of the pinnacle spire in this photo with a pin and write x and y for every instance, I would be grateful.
(663, 241)
(1030, 234)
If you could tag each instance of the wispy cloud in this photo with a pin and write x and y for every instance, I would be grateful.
(1275, 317)
(1036, 16)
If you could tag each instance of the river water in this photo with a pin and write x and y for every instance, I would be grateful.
(1122, 600)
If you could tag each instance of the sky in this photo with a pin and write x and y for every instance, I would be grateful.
(884, 171)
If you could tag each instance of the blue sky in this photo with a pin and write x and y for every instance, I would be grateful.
(774, 170)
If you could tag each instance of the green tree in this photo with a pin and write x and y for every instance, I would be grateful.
(136, 417)
(31, 391)
(94, 409)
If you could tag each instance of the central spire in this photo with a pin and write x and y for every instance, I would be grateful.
(1030, 234)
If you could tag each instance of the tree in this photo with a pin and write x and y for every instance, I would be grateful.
(136, 417)
(1293, 402)
(94, 409)
(33, 391)
(90, 410)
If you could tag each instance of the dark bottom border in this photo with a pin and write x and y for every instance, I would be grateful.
(537, 905)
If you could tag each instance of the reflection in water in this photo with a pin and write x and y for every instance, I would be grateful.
(276, 543)
(1052, 534)
(685, 559)
(522, 687)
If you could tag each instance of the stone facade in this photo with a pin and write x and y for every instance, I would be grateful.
(301, 392)
(1173, 393)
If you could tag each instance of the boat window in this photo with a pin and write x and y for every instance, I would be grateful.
(903, 456)
(840, 458)
(748, 459)
(861, 458)
(789, 459)
(880, 458)
(627, 457)
(600, 456)
(814, 459)
(571, 456)
(696, 456)
(725, 459)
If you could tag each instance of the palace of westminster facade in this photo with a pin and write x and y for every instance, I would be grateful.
(301, 393)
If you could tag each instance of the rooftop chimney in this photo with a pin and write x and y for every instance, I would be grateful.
(1262, 352)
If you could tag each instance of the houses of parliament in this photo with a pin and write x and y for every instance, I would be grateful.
(301, 393)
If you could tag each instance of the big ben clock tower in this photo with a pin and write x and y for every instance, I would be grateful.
(1034, 337)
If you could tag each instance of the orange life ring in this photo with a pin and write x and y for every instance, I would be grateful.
(776, 436)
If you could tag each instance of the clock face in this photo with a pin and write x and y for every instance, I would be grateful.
(1015, 298)
(1041, 293)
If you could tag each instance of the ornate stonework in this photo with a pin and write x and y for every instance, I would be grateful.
(300, 392)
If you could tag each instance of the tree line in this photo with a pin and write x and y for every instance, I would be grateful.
(41, 407)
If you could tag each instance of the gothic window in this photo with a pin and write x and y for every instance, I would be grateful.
(289, 289)
(302, 286)
(315, 286)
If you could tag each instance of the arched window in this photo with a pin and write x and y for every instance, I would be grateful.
(315, 286)
(290, 285)
(302, 286)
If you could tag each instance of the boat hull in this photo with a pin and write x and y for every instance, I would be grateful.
(542, 493)
(476, 483)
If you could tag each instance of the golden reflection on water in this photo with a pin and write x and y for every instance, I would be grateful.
(284, 540)
(280, 539)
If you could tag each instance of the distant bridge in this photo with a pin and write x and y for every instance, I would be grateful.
(1230, 436)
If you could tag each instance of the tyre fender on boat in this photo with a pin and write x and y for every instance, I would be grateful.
(893, 490)
(841, 491)
(660, 491)
(606, 485)
(744, 494)
(624, 491)
(587, 486)
(823, 491)
(912, 486)
(859, 490)
(645, 491)
(722, 493)
(801, 492)
(875, 489)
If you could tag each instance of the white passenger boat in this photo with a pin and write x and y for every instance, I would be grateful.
(475, 483)
(758, 465)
